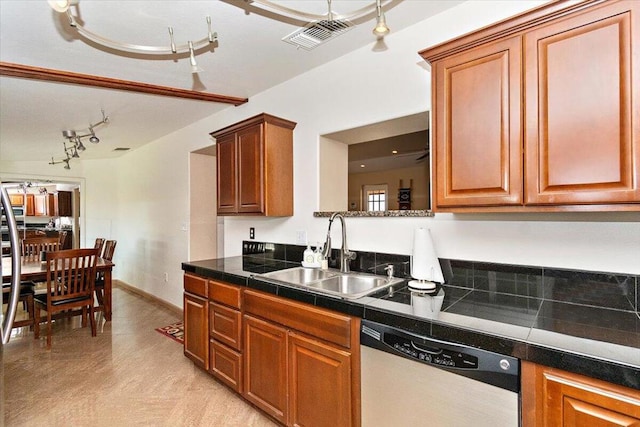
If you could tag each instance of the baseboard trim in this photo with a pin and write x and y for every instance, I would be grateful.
(132, 289)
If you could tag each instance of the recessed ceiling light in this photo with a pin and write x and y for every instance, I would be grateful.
(394, 152)
(361, 166)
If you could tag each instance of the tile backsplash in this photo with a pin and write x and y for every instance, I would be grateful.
(586, 288)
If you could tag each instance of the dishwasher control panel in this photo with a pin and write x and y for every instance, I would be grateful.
(431, 354)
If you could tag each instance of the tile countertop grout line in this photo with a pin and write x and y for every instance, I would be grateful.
(619, 371)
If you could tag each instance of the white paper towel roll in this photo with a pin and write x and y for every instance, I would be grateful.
(424, 262)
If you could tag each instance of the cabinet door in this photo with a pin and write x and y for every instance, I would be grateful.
(552, 397)
(226, 365)
(196, 330)
(30, 205)
(250, 170)
(225, 325)
(62, 201)
(265, 366)
(582, 106)
(227, 185)
(40, 205)
(16, 199)
(478, 133)
(319, 383)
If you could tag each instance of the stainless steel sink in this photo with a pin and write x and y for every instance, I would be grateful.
(331, 282)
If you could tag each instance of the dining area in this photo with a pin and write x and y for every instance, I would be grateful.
(57, 284)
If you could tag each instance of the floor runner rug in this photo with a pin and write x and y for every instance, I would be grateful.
(175, 331)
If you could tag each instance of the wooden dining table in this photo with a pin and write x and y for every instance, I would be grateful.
(36, 271)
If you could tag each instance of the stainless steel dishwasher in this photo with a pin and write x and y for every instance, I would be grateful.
(412, 380)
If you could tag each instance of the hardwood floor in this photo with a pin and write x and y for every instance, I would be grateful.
(129, 375)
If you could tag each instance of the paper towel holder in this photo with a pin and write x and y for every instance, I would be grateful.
(425, 267)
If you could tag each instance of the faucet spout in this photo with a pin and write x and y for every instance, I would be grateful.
(345, 254)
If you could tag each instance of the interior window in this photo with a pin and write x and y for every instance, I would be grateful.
(375, 197)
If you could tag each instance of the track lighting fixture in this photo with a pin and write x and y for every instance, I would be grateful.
(73, 145)
(64, 6)
(381, 29)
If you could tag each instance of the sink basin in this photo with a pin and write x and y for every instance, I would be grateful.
(331, 282)
(299, 275)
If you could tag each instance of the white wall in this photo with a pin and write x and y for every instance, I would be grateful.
(142, 198)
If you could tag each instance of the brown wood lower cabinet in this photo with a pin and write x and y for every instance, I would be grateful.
(556, 398)
(226, 365)
(301, 373)
(196, 320)
(298, 363)
(319, 383)
(265, 368)
(196, 341)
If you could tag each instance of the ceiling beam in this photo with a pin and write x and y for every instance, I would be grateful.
(60, 76)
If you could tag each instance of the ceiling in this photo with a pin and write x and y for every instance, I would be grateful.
(248, 58)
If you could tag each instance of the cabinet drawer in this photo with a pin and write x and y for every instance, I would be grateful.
(195, 285)
(226, 365)
(320, 323)
(225, 325)
(226, 294)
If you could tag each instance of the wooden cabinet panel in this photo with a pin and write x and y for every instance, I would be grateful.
(250, 169)
(63, 204)
(30, 211)
(227, 180)
(195, 285)
(319, 383)
(44, 205)
(225, 325)
(324, 324)
(16, 199)
(255, 167)
(478, 126)
(196, 337)
(580, 139)
(226, 365)
(225, 293)
(555, 398)
(265, 366)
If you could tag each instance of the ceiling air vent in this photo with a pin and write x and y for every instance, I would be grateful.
(317, 33)
(122, 149)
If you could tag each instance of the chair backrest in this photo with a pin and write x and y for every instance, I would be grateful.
(109, 249)
(99, 245)
(71, 274)
(62, 236)
(32, 246)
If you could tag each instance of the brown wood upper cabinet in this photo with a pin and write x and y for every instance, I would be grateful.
(540, 112)
(255, 167)
(62, 203)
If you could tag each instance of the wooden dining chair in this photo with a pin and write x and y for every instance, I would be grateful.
(32, 246)
(109, 249)
(99, 245)
(71, 275)
(62, 237)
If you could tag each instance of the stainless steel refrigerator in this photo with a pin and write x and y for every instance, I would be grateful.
(9, 241)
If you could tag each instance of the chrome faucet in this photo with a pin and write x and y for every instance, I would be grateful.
(345, 254)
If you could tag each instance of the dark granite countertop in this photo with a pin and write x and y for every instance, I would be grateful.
(598, 342)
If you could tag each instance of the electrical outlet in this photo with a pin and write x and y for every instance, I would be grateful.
(252, 233)
(301, 237)
(166, 277)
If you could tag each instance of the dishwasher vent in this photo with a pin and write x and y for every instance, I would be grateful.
(318, 32)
